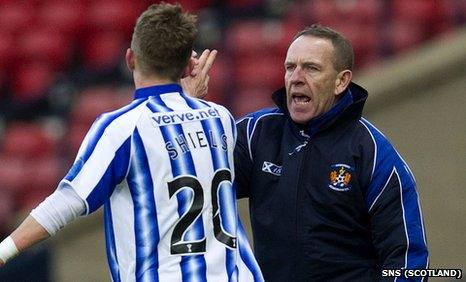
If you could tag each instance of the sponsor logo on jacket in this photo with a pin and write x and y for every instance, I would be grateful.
(340, 177)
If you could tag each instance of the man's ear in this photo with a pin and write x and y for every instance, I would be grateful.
(342, 81)
(130, 59)
(189, 67)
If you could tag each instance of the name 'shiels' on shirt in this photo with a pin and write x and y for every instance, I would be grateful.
(194, 139)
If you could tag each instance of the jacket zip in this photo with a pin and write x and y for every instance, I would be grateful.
(300, 172)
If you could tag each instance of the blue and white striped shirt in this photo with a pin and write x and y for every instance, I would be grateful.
(163, 168)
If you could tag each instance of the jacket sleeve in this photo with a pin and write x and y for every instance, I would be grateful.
(395, 213)
(243, 161)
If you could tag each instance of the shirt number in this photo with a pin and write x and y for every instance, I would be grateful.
(178, 246)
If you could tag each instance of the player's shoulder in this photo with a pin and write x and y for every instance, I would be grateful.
(127, 114)
(220, 109)
(217, 106)
(133, 107)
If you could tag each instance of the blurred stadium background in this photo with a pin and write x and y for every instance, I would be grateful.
(61, 64)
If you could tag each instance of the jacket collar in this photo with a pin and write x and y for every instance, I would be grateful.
(349, 106)
(156, 90)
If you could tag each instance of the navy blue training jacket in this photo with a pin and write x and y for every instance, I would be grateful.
(331, 201)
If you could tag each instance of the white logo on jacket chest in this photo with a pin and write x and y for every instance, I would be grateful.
(272, 168)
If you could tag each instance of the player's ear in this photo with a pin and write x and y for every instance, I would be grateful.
(192, 62)
(342, 81)
(130, 59)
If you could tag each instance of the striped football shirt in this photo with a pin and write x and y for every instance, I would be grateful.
(162, 167)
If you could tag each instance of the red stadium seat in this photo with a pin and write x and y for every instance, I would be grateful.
(113, 15)
(41, 179)
(243, 4)
(12, 171)
(404, 36)
(434, 16)
(192, 6)
(317, 10)
(47, 45)
(259, 71)
(3, 82)
(74, 137)
(248, 100)
(220, 80)
(28, 141)
(67, 17)
(358, 21)
(7, 50)
(103, 51)
(368, 11)
(414, 10)
(365, 39)
(16, 17)
(31, 81)
(92, 102)
(246, 37)
(291, 25)
(29, 168)
(46, 172)
(89, 104)
(7, 210)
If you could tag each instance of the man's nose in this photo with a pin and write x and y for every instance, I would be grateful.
(296, 76)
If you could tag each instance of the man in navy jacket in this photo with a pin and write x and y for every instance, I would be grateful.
(330, 198)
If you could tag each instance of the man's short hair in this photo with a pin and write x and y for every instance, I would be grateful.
(163, 40)
(344, 54)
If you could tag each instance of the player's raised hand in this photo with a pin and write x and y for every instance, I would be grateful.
(197, 82)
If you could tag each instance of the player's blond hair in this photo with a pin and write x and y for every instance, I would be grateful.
(163, 39)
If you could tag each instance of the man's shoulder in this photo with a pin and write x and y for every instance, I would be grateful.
(267, 122)
(384, 152)
(121, 115)
(219, 107)
(369, 131)
(123, 110)
(265, 113)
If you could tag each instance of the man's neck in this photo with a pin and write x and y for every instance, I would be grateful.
(141, 81)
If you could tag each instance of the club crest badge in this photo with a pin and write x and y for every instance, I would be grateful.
(340, 177)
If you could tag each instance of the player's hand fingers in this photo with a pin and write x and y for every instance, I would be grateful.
(209, 62)
(203, 59)
(194, 62)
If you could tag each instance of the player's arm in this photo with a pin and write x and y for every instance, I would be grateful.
(27, 234)
(60, 208)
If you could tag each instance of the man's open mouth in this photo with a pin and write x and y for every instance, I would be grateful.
(300, 99)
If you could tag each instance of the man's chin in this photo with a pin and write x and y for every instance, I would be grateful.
(300, 118)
